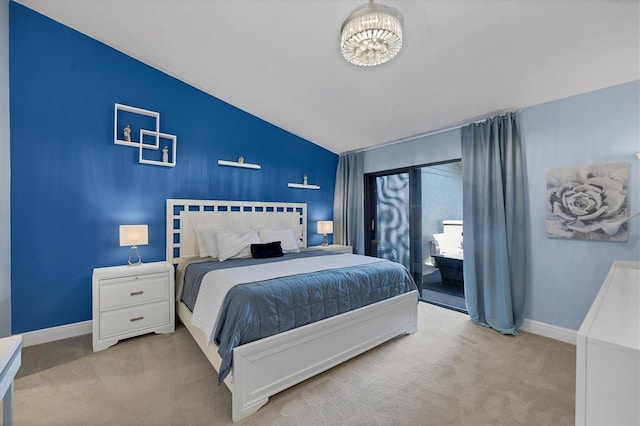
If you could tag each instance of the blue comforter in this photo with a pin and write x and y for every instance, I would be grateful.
(261, 309)
(195, 272)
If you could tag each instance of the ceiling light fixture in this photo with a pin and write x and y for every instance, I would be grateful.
(371, 35)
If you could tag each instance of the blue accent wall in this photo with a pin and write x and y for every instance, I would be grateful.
(71, 186)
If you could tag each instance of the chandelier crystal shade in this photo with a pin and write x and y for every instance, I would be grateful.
(371, 35)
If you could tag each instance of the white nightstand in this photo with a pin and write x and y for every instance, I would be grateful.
(335, 248)
(132, 300)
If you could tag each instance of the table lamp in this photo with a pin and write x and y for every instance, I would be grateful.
(325, 227)
(134, 236)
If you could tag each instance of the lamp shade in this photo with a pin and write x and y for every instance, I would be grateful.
(134, 235)
(325, 227)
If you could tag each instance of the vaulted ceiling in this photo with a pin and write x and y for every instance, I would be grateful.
(461, 59)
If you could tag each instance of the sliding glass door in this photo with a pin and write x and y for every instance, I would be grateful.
(391, 225)
(392, 213)
(407, 211)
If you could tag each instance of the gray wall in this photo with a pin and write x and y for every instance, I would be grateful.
(599, 127)
(5, 176)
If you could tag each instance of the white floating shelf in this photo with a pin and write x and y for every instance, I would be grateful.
(140, 144)
(303, 186)
(140, 111)
(172, 138)
(236, 164)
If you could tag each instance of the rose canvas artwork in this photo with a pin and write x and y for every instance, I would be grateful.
(588, 202)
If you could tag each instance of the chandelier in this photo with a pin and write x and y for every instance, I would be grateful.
(371, 35)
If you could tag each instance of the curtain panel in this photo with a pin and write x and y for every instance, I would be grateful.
(348, 204)
(495, 223)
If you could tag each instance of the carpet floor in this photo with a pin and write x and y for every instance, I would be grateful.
(451, 372)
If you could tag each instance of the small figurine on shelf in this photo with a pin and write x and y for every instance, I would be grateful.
(127, 133)
(241, 160)
(304, 180)
(165, 154)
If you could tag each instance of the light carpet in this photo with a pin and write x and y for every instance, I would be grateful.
(451, 372)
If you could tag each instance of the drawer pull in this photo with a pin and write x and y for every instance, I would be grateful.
(136, 293)
(136, 319)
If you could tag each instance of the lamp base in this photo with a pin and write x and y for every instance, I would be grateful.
(325, 240)
(135, 253)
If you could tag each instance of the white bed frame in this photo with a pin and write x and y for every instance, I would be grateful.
(270, 365)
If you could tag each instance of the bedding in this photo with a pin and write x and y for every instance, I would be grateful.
(207, 242)
(235, 244)
(190, 272)
(286, 237)
(241, 304)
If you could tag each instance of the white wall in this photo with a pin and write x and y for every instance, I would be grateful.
(594, 128)
(5, 175)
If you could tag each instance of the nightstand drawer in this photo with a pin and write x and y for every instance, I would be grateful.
(122, 292)
(123, 321)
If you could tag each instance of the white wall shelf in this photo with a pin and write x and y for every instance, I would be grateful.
(302, 186)
(171, 160)
(119, 137)
(118, 127)
(237, 164)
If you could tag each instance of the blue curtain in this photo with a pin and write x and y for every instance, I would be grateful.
(495, 223)
(348, 203)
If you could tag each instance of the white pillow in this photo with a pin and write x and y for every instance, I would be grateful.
(286, 237)
(207, 243)
(235, 244)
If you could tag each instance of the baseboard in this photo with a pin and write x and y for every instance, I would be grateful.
(56, 333)
(551, 331)
(79, 328)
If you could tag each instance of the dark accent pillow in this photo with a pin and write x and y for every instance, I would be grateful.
(263, 251)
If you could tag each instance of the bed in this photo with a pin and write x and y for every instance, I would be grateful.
(271, 364)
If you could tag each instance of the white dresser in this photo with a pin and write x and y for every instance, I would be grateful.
(132, 300)
(608, 352)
